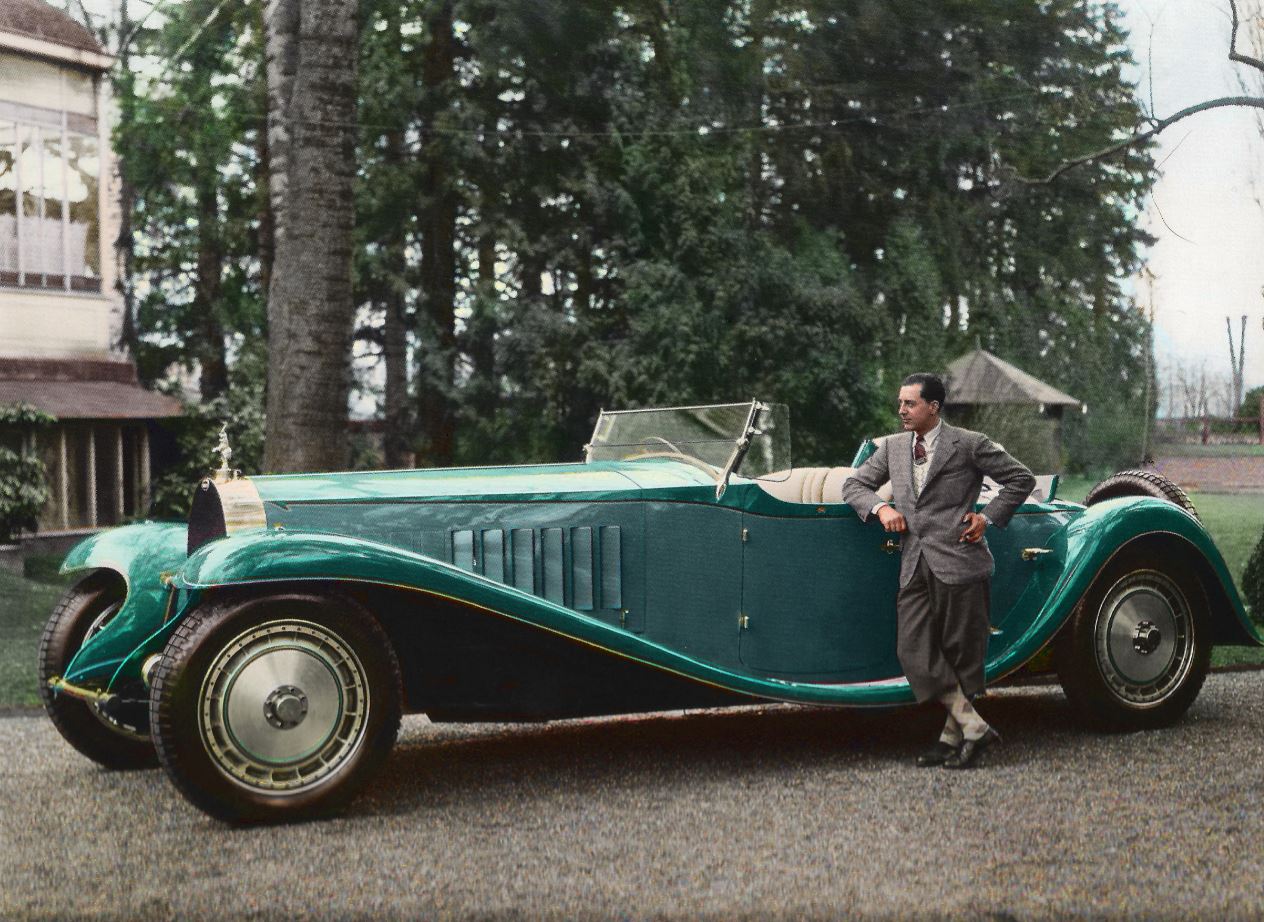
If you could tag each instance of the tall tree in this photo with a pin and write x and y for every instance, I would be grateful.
(312, 49)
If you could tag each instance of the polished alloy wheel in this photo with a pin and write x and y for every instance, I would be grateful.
(1144, 638)
(283, 707)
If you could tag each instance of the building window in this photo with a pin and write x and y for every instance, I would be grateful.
(50, 229)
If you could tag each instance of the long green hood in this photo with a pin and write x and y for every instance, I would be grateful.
(609, 479)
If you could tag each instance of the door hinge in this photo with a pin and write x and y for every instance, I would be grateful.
(743, 621)
(745, 535)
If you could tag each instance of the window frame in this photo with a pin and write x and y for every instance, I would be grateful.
(44, 122)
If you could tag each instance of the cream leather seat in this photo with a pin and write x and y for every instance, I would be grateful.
(812, 484)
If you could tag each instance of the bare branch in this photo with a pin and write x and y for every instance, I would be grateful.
(1233, 42)
(1223, 102)
(1160, 125)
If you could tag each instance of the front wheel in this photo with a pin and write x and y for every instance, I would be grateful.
(1137, 649)
(85, 609)
(275, 708)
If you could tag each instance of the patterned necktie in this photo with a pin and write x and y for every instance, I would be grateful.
(919, 451)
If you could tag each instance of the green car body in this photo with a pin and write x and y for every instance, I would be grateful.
(265, 650)
(765, 598)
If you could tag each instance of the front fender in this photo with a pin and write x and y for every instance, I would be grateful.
(142, 554)
(1087, 544)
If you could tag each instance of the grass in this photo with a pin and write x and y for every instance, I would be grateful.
(1234, 521)
(25, 604)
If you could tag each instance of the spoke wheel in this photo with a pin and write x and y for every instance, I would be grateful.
(85, 609)
(275, 708)
(1136, 651)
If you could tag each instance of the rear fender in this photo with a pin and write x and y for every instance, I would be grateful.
(1090, 541)
(142, 555)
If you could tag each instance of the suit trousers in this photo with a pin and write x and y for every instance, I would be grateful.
(942, 633)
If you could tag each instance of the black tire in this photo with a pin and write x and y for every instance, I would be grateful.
(1140, 483)
(233, 692)
(1137, 648)
(84, 609)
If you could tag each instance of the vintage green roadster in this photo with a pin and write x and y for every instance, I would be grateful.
(264, 652)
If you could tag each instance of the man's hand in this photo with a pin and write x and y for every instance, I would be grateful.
(975, 524)
(891, 519)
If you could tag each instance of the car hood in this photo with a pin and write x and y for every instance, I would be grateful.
(491, 483)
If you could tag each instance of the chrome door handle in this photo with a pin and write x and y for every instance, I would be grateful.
(892, 546)
(1035, 553)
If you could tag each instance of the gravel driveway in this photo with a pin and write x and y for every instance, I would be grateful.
(778, 811)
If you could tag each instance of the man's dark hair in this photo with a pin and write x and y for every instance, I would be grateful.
(932, 386)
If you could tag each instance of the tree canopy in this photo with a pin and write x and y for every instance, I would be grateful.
(562, 205)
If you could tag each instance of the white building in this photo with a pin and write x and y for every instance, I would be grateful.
(60, 312)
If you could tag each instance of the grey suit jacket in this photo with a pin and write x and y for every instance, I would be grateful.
(952, 485)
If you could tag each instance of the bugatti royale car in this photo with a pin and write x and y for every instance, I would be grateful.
(264, 652)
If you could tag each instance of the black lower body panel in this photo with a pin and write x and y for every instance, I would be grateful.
(462, 663)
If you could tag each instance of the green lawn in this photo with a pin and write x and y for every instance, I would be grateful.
(24, 607)
(1235, 522)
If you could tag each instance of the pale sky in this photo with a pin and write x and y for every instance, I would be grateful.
(1212, 171)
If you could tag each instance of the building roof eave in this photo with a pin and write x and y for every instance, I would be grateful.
(65, 54)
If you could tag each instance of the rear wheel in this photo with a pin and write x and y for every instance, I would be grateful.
(1136, 652)
(86, 608)
(275, 708)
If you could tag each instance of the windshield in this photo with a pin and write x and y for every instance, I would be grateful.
(755, 435)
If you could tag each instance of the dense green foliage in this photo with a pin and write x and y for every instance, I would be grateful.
(569, 205)
(23, 478)
(1253, 582)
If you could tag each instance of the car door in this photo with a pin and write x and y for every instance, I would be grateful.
(818, 596)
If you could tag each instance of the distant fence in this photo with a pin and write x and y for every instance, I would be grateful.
(1211, 430)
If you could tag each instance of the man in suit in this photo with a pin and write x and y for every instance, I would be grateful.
(936, 472)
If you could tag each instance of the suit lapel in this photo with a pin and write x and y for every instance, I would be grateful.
(901, 461)
(945, 447)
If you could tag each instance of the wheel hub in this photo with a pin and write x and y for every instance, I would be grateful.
(1147, 638)
(1144, 638)
(285, 707)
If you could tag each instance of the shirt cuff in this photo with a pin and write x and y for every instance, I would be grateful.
(877, 506)
(985, 518)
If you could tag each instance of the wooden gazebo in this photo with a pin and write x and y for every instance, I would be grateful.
(982, 387)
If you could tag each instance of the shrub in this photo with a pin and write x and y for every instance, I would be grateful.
(1253, 582)
(23, 478)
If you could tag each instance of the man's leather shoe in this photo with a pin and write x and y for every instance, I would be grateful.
(968, 755)
(938, 754)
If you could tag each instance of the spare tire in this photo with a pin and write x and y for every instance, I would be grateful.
(1140, 483)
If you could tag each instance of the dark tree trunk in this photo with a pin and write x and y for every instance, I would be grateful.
(125, 243)
(266, 233)
(212, 356)
(482, 330)
(311, 122)
(435, 404)
(390, 294)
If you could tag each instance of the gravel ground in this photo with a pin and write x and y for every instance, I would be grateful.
(763, 812)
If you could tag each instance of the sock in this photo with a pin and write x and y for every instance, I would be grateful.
(963, 713)
(952, 732)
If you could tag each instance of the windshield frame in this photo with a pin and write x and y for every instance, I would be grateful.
(741, 439)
